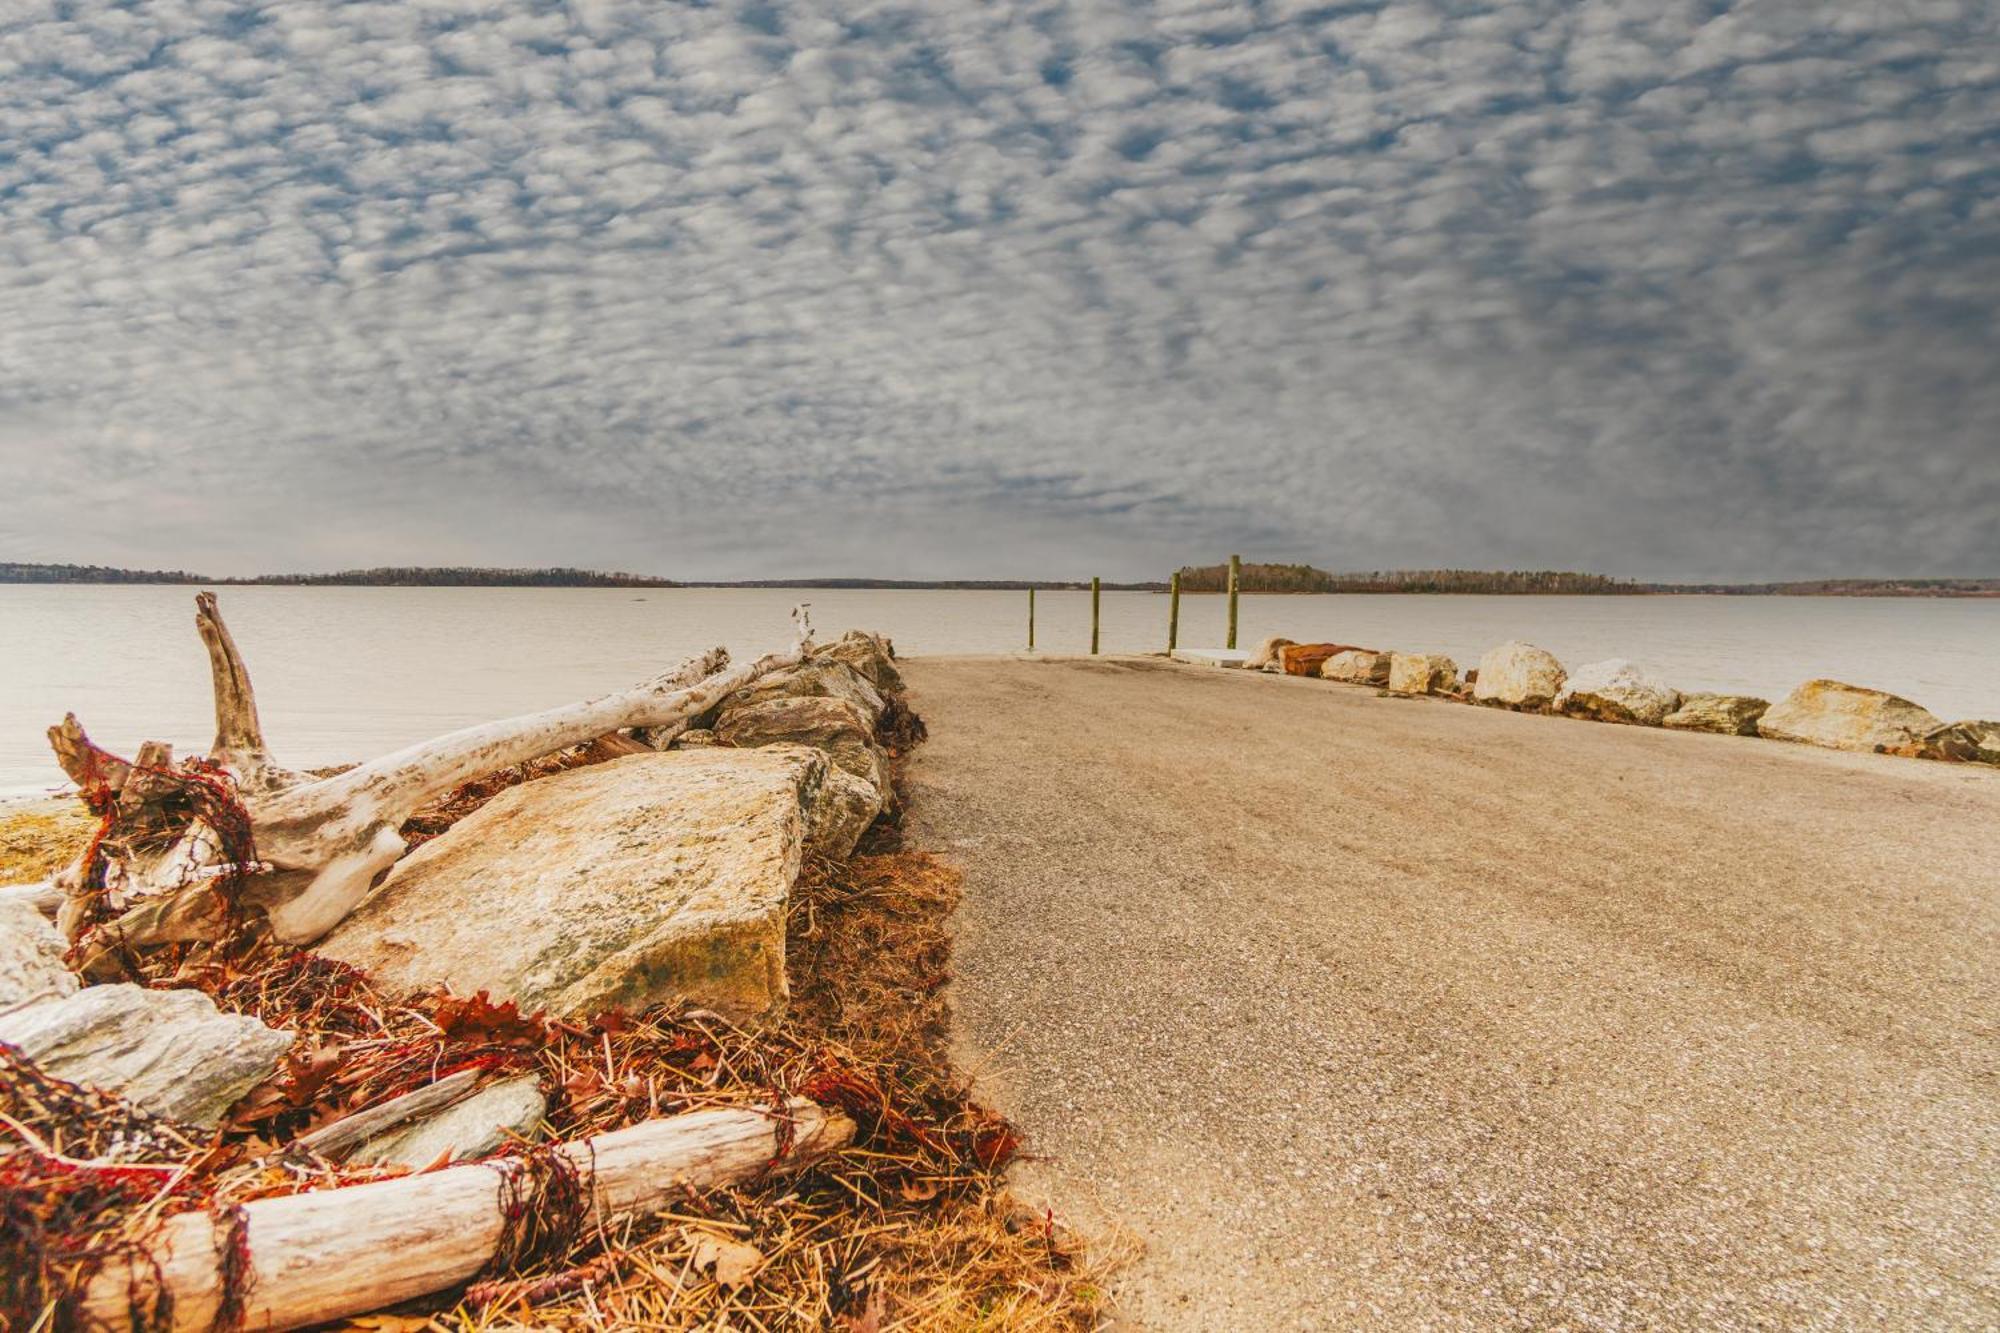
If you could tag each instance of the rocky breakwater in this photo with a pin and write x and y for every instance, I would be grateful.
(653, 877)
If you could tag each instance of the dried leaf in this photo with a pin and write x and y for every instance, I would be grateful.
(732, 1261)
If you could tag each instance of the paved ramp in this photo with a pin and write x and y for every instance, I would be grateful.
(1381, 1013)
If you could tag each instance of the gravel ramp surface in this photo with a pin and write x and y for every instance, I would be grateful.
(1363, 1012)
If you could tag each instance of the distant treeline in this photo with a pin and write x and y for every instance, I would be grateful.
(386, 577)
(964, 585)
(1843, 588)
(1305, 578)
(415, 576)
(19, 573)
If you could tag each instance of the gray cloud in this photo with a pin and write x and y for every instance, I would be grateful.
(1680, 289)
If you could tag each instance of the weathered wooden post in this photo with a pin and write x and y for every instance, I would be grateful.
(1235, 578)
(1095, 586)
(1174, 612)
(1031, 620)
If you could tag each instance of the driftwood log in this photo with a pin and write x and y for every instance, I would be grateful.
(156, 875)
(322, 1256)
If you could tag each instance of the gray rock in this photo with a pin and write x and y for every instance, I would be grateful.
(1422, 673)
(1847, 717)
(1616, 691)
(1519, 675)
(1357, 666)
(477, 1127)
(31, 958)
(1724, 714)
(170, 1052)
(833, 725)
(820, 678)
(648, 878)
(870, 654)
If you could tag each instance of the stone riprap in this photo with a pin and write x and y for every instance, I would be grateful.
(834, 725)
(1422, 673)
(1723, 714)
(1306, 659)
(821, 678)
(1357, 666)
(1847, 717)
(1616, 691)
(648, 878)
(171, 1052)
(870, 654)
(1264, 657)
(1519, 675)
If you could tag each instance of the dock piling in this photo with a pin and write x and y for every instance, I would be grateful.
(1095, 591)
(1174, 612)
(1235, 578)
(1031, 620)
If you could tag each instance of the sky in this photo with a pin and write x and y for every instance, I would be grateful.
(968, 288)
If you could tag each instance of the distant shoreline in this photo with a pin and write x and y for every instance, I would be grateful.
(1504, 585)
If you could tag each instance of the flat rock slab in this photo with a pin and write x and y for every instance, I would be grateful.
(649, 878)
(170, 1052)
(1220, 657)
(31, 958)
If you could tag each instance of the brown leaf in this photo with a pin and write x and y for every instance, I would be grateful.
(732, 1261)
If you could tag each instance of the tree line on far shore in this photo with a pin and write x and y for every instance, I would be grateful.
(1305, 578)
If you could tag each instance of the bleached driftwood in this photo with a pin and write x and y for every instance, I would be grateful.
(351, 1131)
(320, 843)
(323, 1256)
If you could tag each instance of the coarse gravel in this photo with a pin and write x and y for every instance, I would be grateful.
(1366, 1012)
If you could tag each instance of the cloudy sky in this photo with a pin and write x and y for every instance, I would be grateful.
(972, 287)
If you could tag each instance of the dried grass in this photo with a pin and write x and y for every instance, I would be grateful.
(911, 1228)
(39, 839)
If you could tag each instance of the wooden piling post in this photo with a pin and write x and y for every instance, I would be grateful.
(1174, 612)
(1031, 620)
(1235, 578)
(1095, 592)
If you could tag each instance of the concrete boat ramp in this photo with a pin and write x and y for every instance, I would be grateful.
(1364, 1012)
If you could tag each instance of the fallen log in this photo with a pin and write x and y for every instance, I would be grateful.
(308, 1258)
(173, 865)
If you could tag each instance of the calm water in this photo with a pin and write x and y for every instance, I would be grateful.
(345, 673)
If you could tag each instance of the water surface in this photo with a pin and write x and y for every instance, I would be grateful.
(346, 673)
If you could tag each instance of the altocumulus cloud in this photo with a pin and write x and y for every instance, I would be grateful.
(969, 286)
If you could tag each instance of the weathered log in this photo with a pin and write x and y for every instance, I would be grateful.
(322, 1256)
(320, 843)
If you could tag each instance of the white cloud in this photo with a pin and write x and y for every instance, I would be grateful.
(979, 288)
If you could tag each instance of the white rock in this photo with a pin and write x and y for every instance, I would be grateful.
(1264, 657)
(477, 1127)
(170, 1052)
(1518, 675)
(614, 886)
(1421, 673)
(31, 958)
(1616, 691)
(1357, 667)
(1846, 717)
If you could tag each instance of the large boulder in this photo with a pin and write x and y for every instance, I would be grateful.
(31, 958)
(870, 654)
(1985, 739)
(1357, 666)
(1724, 714)
(833, 725)
(649, 878)
(1264, 657)
(1847, 717)
(477, 1127)
(171, 1052)
(1519, 675)
(1422, 673)
(1305, 659)
(1616, 691)
(820, 678)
